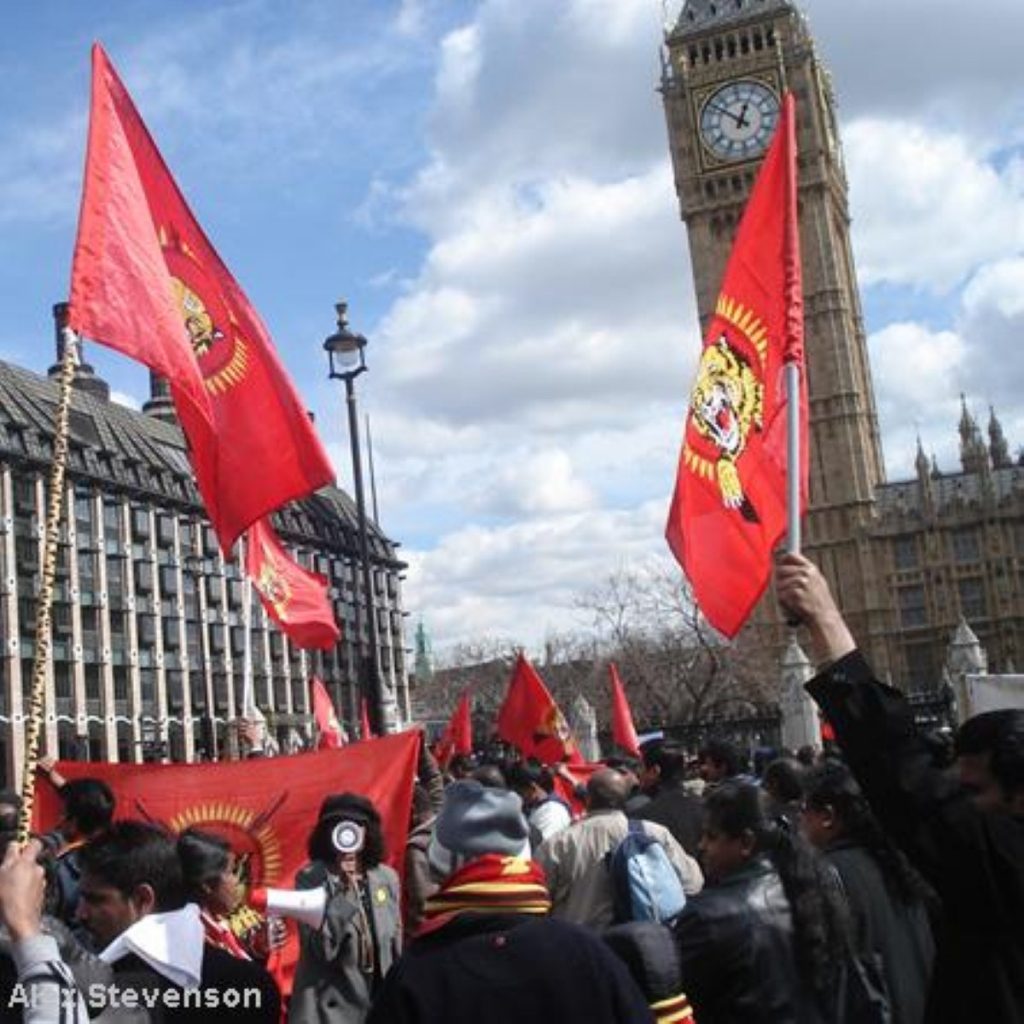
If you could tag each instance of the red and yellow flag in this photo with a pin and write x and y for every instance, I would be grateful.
(729, 507)
(531, 720)
(146, 281)
(327, 724)
(458, 734)
(623, 730)
(295, 598)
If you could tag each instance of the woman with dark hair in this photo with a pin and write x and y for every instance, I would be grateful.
(342, 963)
(211, 880)
(765, 939)
(887, 899)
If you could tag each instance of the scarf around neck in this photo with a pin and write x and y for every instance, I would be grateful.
(491, 884)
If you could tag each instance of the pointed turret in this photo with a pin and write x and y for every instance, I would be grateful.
(973, 453)
(998, 449)
(924, 476)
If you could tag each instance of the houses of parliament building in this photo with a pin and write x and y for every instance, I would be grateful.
(907, 560)
(148, 623)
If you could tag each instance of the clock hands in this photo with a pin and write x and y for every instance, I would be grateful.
(740, 118)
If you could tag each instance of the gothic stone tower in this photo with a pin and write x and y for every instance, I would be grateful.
(726, 66)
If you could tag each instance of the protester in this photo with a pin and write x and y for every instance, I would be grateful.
(87, 809)
(650, 952)
(487, 950)
(546, 812)
(417, 884)
(885, 896)
(782, 781)
(211, 881)
(574, 859)
(764, 941)
(673, 805)
(343, 962)
(132, 900)
(963, 832)
(720, 761)
(41, 988)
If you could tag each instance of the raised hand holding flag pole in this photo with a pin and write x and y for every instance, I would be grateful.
(738, 469)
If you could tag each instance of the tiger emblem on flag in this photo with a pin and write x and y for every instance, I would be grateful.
(726, 405)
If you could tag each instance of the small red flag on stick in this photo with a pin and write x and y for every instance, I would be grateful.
(458, 734)
(295, 598)
(327, 724)
(365, 731)
(623, 731)
(531, 720)
(729, 508)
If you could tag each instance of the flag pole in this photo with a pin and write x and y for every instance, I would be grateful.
(248, 698)
(37, 697)
(791, 371)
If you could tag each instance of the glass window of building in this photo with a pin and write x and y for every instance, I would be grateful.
(904, 552)
(973, 604)
(966, 546)
(912, 606)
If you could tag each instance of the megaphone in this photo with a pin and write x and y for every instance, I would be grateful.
(304, 905)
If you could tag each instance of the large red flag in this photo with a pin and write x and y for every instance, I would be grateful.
(147, 282)
(295, 598)
(265, 807)
(729, 508)
(623, 731)
(327, 724)
(531, 720)
(458, 734)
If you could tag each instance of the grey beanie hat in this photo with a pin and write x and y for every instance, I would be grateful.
(475, 820)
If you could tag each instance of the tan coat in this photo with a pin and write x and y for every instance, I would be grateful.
(578, 880)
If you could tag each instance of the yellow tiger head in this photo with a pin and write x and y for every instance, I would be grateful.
(727, 399)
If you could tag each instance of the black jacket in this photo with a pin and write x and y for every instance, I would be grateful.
(484, 968)
(898, 934)
(736, 945)
(680, 812)
(974, 860)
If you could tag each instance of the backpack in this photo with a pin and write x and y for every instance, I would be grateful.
(645, 886)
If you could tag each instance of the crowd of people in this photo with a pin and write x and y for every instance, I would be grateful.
(876, 883)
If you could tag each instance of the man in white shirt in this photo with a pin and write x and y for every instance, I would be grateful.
(574, 858)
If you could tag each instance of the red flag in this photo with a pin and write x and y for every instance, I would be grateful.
(147, 282)
(265, 807)
(729, 508)
(295, 598)
(623, 731)
(327, 724)
(531, 720)
(364, 720)
(458, 735)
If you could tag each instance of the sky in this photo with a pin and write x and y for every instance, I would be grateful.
(487, 183)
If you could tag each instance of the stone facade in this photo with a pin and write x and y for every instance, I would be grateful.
(149, 620)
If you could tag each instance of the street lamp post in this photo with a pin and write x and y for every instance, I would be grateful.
(346, 355)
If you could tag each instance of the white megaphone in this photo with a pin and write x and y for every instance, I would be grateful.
(304, 905)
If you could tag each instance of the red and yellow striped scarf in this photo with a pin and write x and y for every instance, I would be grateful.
(675, 1010)
(491, 884)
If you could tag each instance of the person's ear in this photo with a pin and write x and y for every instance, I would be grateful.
(143, 899)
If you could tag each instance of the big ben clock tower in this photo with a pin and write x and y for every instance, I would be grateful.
(727, 64)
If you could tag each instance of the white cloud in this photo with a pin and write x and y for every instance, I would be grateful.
(927, 208)
(522, 579)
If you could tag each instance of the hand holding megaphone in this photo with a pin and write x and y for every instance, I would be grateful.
(304, 905)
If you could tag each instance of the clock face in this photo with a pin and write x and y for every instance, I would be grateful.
(738, 120)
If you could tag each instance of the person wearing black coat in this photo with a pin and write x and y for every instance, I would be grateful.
(764, 942)
(888, 901)
(964, 833)
(679, 811)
